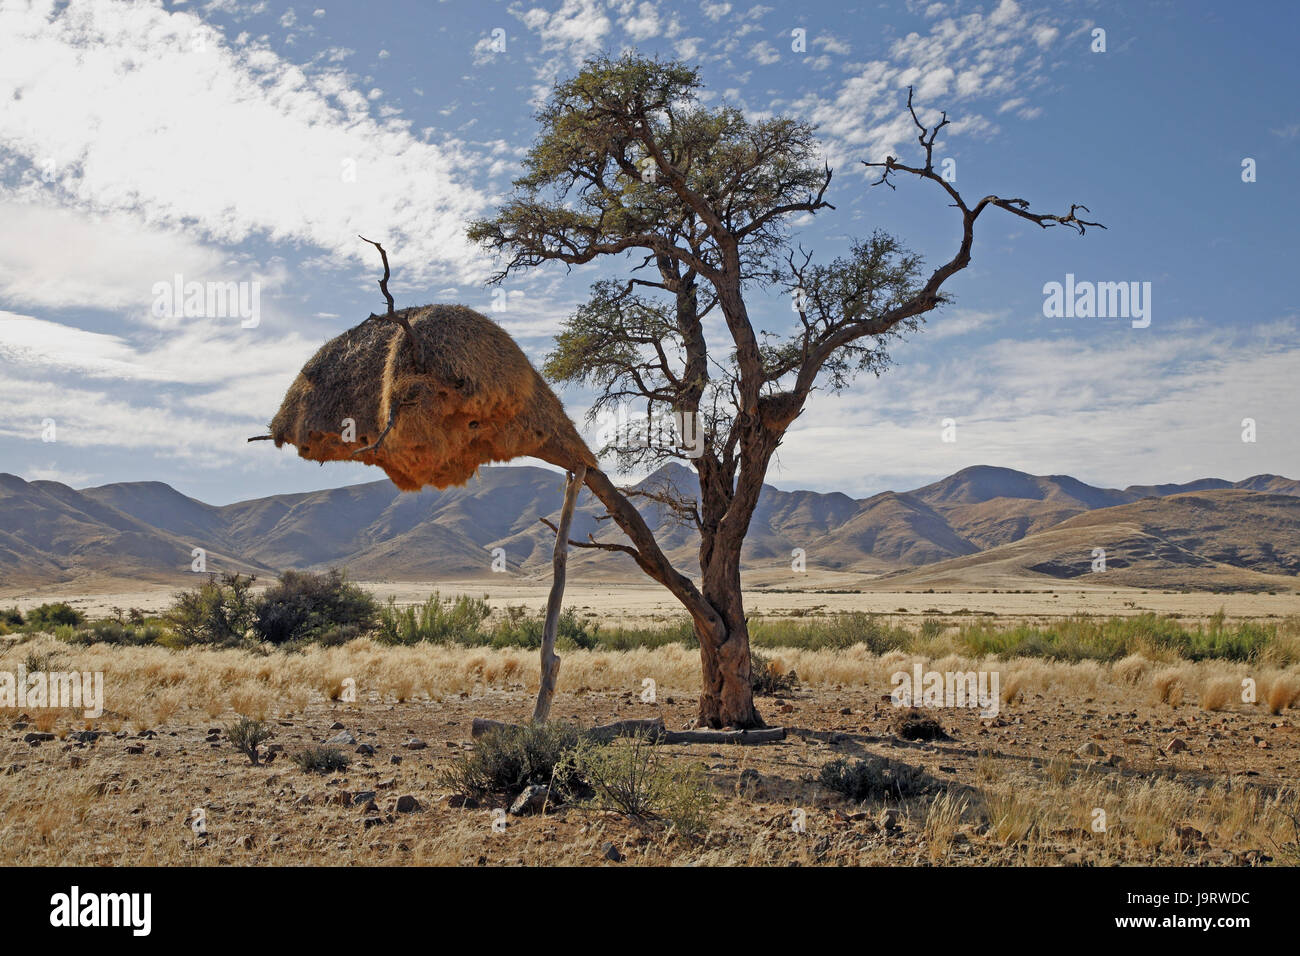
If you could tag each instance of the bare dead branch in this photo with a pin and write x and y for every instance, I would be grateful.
(392, 316)
(592, 543)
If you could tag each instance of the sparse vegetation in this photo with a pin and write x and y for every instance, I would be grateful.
(634, 776)
(874, 778)
(769, 677)
(320, 758)
(509, 759)
(246, 735)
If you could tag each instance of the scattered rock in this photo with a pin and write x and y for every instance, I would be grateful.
(407, 803)
(460, 801)
(337, 725)
(1090, 749)
(395, 759)
(365, 750)
(888, 819)
(1176, 745)
(1190, 838)
(388, 784)
(135, 748)
(362, 797)
(342, 739)
(37, 737)
(610, 852)
(415, 743)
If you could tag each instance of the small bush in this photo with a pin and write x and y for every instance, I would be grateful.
(246, 735)
(874, 778)
(435, 621)
(632, 776)
(304, 606)
(218, 612)
(49, 616)
(915, 724)
(509, 759)
(322, 759)
(768, 677)
(110, 631)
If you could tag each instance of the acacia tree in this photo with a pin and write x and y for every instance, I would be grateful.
(630, 163)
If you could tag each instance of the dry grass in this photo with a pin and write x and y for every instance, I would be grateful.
(1024, 799)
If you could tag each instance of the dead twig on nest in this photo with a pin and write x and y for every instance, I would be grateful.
(392, 315)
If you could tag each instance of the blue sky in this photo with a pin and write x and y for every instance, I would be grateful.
(251, 142)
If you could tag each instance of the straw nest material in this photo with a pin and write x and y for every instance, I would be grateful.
(478, 400)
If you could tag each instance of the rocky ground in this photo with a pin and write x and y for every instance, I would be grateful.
(1176, 785)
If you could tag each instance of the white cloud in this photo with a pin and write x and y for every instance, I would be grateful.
(715, 11)
(233, 142)
(1115, 407)
(764, 53)
(58, 258)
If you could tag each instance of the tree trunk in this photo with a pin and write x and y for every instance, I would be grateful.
(727, 697)
(550, 660)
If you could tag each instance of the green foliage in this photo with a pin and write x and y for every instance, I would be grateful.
(111, 631)
(321, 759)
(304, 606)
(219, 612)
(246, 735)
(49, 616)
(874, 778)
(11, 619)
(835, 632)
(1083, 637)
(436, 621)
(510, 758)
(519, 629)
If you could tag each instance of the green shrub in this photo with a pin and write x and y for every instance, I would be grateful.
(220, 611)
(435, 621)
(519, 629)
(321, 759)
(633, 776)
(110, 631)
(836, 632)
(874, 778)
(511, 758)
(49, 616)
(246, 735)
(304, 606)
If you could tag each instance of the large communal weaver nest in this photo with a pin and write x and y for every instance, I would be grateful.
(472, 397)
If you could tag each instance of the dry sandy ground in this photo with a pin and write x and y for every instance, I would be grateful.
(825, 592)
(1179, 784)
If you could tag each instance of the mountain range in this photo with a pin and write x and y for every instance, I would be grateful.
(981, 526)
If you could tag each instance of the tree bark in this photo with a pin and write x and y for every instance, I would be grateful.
(550, 660)
(727, 696)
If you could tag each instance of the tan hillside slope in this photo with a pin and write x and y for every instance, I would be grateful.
(1226, 538)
